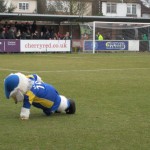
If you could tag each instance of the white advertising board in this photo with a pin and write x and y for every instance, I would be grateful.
(45, 46)
(133, 45)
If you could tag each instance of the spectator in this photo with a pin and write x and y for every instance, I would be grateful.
(16, 26)
(28, 36)
(60, 36)
(43, 32)
(67, 36)
(47, 35)
(100, 37)
(144, 37)
(34, 27)
(6, 26)
(23, 35)
(55, 36)
(35, 35)
(18, 34)
(2, 33)
(51, 33)
(43, 29)
(11, 33)
(85, 36)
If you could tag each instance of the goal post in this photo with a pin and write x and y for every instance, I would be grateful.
(117, 36)
(94, 37)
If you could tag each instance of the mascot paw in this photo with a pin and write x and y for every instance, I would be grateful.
(24, 118)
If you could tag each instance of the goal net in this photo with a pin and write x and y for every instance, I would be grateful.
(109, 36)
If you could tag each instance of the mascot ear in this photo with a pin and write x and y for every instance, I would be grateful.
(15, 81)
(10, 84)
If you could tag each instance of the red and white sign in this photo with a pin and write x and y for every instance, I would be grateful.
(45, 46)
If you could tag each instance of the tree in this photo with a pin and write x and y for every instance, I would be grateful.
(70, 7)
(42, 6)
(11, 8)
(56, 7)
(146, 3)
(4, 7)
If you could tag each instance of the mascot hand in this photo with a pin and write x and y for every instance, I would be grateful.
(24, 114)
(24, 118)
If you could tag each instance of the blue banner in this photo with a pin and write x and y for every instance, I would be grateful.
(106, 45)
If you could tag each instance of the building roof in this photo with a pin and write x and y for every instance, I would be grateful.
(70, 18)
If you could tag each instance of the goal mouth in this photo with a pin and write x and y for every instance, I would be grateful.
(115, 36)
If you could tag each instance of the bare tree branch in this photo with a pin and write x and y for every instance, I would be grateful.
(70, 7)
(146, 3)
(4, 6)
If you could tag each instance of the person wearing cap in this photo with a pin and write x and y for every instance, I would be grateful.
(31, 90)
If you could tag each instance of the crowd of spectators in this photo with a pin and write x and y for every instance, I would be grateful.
(29, 31)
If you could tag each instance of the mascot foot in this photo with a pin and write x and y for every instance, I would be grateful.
(72, 108)
(47, 112)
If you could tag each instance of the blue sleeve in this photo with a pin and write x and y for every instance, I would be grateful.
(26, 103)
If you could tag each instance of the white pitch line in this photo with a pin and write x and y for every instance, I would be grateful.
(6, 69)
(61, 71)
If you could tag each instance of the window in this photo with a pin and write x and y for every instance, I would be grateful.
(23, 6)
(111, 8)
(131, 9)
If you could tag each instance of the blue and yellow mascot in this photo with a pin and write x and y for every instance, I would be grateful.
(31, 90)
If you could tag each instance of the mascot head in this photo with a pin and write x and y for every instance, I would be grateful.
(16, 85)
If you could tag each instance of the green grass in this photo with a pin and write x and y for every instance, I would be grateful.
(112, 94)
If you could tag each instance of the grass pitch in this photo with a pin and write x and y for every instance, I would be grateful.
(112, 94)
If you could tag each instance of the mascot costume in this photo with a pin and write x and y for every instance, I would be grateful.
(31, 90)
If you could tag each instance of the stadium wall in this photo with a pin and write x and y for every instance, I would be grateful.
(9, 45)
(115, 45)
